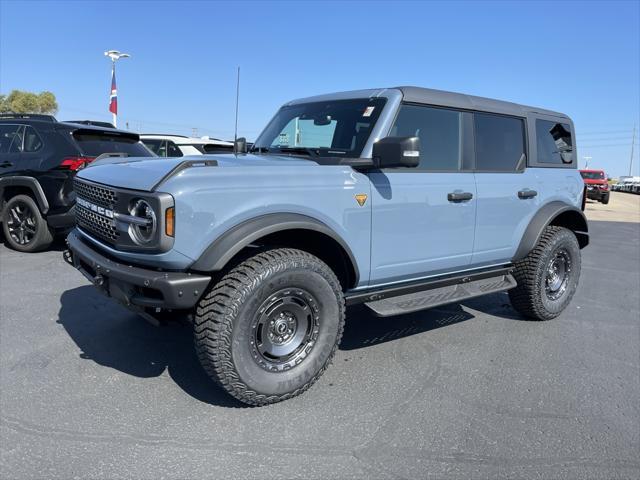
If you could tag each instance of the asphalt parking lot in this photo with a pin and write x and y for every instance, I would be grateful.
(89, 390)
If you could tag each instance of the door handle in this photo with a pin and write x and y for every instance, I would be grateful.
(6, 164)
(524, 194)
(459, 196)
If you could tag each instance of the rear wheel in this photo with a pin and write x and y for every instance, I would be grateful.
(24, 227)
(270, 327)
(547, 277)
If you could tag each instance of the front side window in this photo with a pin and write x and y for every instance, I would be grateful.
(554, 142)
(173, 150)
(338, 128)
(499, 142)
(155, 145)
(439, 131)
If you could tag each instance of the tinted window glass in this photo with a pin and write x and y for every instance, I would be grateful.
(153, 145)
(32, 141)
(439, 133)
(554, 142)
(499, 143)
(592, 175)
(97, 144)
(10, 138)
(173, 150)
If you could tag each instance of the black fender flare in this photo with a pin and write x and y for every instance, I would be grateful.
(226, 246)
(30, 183)
(545, 217)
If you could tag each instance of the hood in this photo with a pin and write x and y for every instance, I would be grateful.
(144, 173)
(594, 181)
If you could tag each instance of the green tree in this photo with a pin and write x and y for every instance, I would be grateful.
(19, 101)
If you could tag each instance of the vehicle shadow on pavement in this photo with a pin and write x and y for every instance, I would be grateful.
(114, 337)
(110, 335)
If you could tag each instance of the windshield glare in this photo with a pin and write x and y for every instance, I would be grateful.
(338, 128)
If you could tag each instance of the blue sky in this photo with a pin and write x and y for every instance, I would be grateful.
(581, 58)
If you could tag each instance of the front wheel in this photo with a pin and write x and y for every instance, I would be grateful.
(605, 199)
(270, 327)
(24, 227)
(548, 276)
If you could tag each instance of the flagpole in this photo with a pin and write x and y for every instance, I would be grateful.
(113, 75)
(113, 97)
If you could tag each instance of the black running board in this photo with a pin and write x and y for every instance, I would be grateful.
(414, 302)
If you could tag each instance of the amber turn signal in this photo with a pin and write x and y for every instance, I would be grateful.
(170, 221)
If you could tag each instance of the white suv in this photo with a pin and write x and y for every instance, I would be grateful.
(179, 145)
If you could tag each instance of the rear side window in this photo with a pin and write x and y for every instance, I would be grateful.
(500, 145)
(32, 141)
(95, 144)
(554, 142)
(11, 138)
(439, 133)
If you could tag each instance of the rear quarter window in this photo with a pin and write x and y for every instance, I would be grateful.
(554, 143)
(95, 144)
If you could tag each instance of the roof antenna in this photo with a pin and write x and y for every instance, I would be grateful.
(235, 134)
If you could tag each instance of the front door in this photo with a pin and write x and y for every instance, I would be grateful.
(423, 218)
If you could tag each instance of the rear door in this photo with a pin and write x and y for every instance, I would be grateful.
(11, 145)
(508, 192)
(423, 218)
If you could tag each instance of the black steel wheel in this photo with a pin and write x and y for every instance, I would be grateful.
(547, 277)
(24, 227)
(270, 327)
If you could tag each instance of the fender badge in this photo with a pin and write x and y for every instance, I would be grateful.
(361, 198)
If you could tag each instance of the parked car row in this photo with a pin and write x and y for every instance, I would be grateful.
(628, 185)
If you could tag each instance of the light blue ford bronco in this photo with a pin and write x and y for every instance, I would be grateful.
(399, 198)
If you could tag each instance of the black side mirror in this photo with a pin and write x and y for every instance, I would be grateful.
(240, 145)
(394, 152)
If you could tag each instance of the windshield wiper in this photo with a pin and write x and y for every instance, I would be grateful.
(311, 152)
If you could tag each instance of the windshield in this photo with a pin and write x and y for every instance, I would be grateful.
(592, 175)
(338, 128)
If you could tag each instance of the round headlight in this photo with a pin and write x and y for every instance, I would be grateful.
(143, 233)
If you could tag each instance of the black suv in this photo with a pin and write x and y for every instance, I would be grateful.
(38, 158)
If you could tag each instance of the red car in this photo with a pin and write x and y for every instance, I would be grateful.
(597, 185)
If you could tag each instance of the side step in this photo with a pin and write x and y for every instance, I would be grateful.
(412, 302)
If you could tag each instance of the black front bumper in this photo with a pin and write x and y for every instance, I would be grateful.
(596, 193)
(135, 286)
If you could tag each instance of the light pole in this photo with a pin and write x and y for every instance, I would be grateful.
(586, 162)
(114, 55)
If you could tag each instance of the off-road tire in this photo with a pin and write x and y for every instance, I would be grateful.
(42, 237)
(605, 199)
(530, 297)
(224, 316)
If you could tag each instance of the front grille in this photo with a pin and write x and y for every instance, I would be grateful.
(102, 227)
(98, 225)
(102, 196)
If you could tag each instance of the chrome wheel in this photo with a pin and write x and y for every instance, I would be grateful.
(21, 223)
(285, 329)
(557, 276)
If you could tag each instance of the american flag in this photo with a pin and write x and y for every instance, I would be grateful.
(113, 98)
